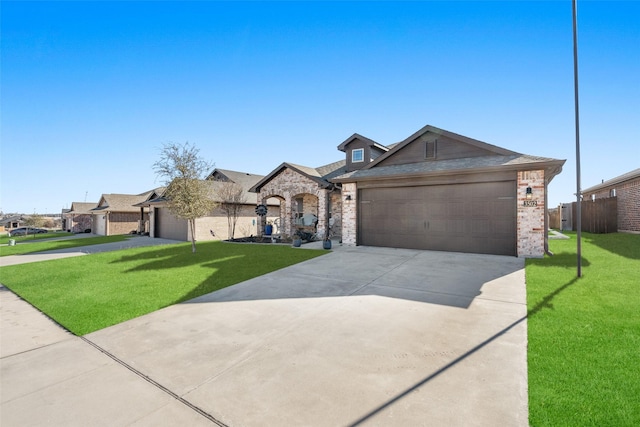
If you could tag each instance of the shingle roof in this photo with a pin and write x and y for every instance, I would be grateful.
(244, 179)
(321, 174)
(614, 181)
(516, 161)
(82, 207)
(121, 202)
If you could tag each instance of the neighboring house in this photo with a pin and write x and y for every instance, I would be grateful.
(10, 222)
(626, 188)
(117, 214)
(435, 190)
(214, 226)
(79, 218)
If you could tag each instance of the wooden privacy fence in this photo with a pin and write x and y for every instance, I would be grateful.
(598, 216)
(554, 218)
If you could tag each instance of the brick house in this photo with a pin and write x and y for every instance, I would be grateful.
(162, 223)
(79, 218)
(117, 214)
(626, 188)
(434, 190)
(309, 200)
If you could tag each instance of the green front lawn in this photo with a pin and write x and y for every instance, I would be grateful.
(91, 292)
(28, 247)
(4, 239)
(584, 334)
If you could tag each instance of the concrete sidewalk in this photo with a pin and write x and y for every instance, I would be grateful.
(360, 336)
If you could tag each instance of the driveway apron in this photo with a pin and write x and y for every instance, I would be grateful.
(360, 336)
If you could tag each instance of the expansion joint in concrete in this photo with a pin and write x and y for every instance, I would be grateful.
(155, 383)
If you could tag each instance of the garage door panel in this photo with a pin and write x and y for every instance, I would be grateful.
(170, 227)
(477, 217)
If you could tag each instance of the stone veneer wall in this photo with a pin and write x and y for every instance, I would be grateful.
(79, 223)
(289, 184)
(530, 240)
(349, 214)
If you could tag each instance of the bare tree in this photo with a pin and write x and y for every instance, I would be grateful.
(188, 196)
(231, 197)
(34, 220)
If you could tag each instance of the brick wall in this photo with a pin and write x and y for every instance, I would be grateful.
(349, 214)
(123, 222)
(530, 214)
(289, 185)
(628, 195)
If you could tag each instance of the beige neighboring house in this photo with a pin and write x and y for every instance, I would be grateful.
(79, 218)
(163, 224)
(117, 214)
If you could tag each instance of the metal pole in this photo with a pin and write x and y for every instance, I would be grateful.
(577, 112)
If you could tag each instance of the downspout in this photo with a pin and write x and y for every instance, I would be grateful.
(327, 212)
(546, 218)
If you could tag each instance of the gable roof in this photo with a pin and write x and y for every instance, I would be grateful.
(614, 181)
(496, 158)
(244, 179)
(456, 166)
(81, 207)
(437, 131)
(321, 174)
(364, 139)
(10, 219)
(120, 202)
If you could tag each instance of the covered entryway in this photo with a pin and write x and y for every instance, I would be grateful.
(168, 226)
(472, 217)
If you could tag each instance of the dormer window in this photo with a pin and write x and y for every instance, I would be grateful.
(357, 155)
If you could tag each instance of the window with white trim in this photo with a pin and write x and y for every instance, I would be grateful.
(357, 155)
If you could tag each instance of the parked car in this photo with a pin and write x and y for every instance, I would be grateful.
(23, 231)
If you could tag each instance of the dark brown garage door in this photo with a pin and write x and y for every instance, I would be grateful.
(475, 218)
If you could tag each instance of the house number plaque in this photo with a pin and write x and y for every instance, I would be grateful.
(530, 203)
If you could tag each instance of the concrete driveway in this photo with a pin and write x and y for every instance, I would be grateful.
(360, 336)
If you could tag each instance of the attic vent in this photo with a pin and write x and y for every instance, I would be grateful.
(431, 150)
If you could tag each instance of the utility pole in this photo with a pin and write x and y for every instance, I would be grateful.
(577, 111)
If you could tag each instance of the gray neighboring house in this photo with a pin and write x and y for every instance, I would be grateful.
(79, 218)
(8, 223)
(434, 190)
(626, 188)
(118, 214)
(162, 223)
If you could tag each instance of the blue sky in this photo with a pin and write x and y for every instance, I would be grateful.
(92, 90)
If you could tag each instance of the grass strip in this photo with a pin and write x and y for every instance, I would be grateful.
(91, 292)
(584, 334)
(4, 239)
(25, 247)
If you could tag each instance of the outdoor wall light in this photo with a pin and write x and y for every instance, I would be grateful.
(529, 193)
(348, 197)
